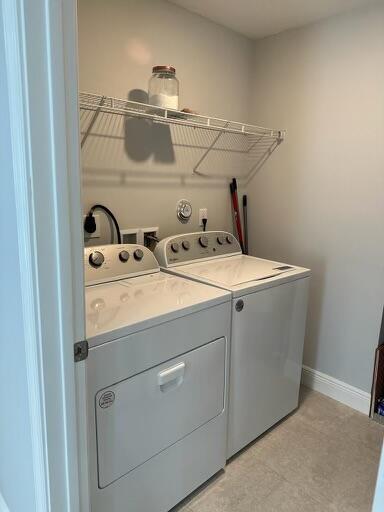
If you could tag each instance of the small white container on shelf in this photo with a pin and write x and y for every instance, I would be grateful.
(163, 90)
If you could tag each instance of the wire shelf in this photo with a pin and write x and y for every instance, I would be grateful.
(253, 143)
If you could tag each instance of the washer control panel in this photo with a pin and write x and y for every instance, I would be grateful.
(106, 263)
(181, 249)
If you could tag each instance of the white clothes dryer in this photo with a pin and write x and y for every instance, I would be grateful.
(156, 381)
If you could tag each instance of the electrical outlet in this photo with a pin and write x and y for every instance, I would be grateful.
(203, 214)
(97, 233)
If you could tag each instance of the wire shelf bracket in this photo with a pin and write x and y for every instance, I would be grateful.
(93, 121)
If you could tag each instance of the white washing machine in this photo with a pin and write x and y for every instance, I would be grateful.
(156, 381)
(269, 306)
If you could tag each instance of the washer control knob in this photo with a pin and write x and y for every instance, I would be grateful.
(175, 247)
(96, 259)
(186, 245)
(220, 240)
(229, 239)
(124, 256)
(203, 241)
(138, 255)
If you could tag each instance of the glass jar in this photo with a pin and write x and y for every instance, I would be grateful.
(163, 90)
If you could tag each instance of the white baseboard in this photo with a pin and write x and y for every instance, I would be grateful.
(3, 505)
(336, 389)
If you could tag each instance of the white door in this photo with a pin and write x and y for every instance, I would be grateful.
(143, 415)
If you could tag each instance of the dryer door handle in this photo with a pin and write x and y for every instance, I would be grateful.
(172, 374)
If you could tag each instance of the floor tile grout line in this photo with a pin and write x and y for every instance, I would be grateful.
(304, 491)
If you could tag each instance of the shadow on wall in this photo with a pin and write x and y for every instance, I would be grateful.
(145, 139)
(315, 310)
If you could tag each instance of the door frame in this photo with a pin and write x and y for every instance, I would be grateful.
(41, 73)
(40, 39)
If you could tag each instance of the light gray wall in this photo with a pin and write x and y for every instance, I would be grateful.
(319, 201)
(16, 471)
(119, 42)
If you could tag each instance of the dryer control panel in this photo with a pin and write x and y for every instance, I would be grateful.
(182, 249)
(106, 263)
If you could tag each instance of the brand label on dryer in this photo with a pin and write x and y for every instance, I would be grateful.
(106, 399)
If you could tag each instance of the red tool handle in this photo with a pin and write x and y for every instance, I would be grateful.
(235, 203)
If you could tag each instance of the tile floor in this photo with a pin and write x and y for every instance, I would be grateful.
(323, 457)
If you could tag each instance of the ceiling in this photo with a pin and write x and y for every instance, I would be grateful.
(260, 18)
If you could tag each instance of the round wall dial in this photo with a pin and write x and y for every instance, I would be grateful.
(184, 210)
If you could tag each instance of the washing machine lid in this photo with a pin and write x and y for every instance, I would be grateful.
(241, 272)
(117, 309)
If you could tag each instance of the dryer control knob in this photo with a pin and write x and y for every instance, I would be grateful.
(96, 259)
(186, 245)
(124, 256)
(220, 240)
(229, 240)
(175, 247)
(138, 255)
(203, 241)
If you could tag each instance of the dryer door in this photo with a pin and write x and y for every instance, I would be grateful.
(143, 415)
